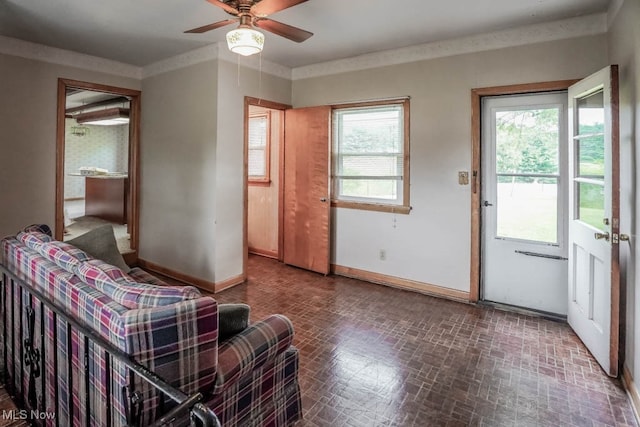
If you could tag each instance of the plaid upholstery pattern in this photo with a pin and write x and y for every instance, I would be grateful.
(255, 346)
(173, 331)
(177, 341)
(266, 397)
(107, 278)
(40, 228)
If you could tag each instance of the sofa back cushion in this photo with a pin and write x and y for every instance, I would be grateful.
(123, 288)
(105, 277)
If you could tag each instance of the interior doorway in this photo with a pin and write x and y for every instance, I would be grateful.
(264, 178)
(97, 162)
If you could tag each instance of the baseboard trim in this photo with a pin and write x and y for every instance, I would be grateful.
(397, 282)
(263, 252)
(205, 285)
(190, 280)
(632, 392)
(230, 283)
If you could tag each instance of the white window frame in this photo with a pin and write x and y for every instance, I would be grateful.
(266, 148)
(399, 205)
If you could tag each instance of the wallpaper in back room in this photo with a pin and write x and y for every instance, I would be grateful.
(103, 146)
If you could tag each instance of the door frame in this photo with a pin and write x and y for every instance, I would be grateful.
(476, 153)
(258, 102)
(134, 154)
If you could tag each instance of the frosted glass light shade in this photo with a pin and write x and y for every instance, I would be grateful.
(245, 41)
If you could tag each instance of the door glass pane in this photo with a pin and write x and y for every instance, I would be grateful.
(591, 204)
(527, 141)
(591, 114)
(527, 208)
(591, 157)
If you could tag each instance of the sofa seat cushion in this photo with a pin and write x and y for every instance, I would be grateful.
(247, 351)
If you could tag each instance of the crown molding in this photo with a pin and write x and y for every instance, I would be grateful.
(212, 52)
(54, 55)
(612, 13)
(187, 59)
(538, 33)
(255, 62)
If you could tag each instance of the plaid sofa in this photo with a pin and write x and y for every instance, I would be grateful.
(249, 379)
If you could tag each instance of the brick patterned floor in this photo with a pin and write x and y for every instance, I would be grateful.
(377, 356)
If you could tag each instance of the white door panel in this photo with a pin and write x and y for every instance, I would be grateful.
(524, 230)
(594, 215)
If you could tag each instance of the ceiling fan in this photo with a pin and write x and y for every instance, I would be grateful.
(253, 13)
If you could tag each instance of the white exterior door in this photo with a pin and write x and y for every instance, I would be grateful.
(594, 293)
(524, 195)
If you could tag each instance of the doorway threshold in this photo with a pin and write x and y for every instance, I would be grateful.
(523, 310)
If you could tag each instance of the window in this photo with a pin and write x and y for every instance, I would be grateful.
(371, 156)
(259, 147)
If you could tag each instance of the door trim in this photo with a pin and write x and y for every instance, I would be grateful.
(134, 152)
(476, 152)
(258, 102)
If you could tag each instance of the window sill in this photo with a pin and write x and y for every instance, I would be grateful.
(260, 183)
(377, 207)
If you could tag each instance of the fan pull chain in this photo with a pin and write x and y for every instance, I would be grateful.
(260, 79)
(238, 56)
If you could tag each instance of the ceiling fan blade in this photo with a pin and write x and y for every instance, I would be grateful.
(267, 7)
(213, 26)
(292, 33)
(227, 8)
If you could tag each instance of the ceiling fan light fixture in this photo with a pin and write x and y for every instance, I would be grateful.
(245, 41)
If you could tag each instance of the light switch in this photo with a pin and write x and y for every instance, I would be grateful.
(463, 178)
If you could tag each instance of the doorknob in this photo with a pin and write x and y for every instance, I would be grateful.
(486, 203)
(600, 236)
(624, 237)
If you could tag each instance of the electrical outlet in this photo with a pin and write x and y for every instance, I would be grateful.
(463, 178)
(383, 255)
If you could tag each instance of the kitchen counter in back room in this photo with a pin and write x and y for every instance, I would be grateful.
(106, 197)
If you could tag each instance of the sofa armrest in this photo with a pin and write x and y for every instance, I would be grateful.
(252, 348)
(178, 342)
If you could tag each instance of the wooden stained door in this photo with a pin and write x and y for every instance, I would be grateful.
(306, 188)
(594, 215)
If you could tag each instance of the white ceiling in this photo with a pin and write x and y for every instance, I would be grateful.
(141, 32)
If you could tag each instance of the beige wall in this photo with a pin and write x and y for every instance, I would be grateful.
(624, 50)
(234, 84)
(192, 196)
(28, 141)
(432, 243)
(178, 158)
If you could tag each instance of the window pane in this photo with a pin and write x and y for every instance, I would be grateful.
(591, 114)
(258, 141)
(371, 130)
(257, 164)
(527, 208)
(369, 166)
(257, 131)
(368, 147)
(591, 157)
(527, 141)
(591, 204)
(369, 188)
